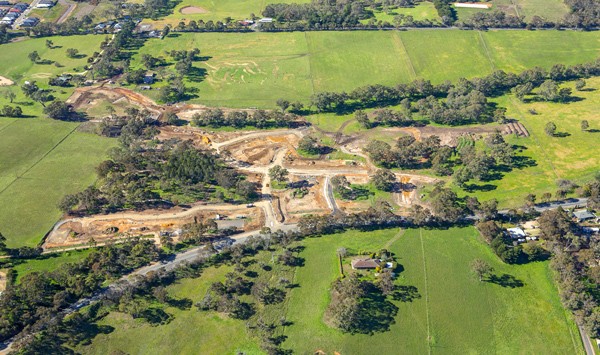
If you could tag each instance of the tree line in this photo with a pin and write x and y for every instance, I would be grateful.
(260, 119)
(448, 102)
(38, 297)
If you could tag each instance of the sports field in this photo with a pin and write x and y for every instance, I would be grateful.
(255, 69)
(451, 311)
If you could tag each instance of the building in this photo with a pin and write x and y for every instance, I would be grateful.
(583, 215)
(149, 78)
(45, 4)
(265, 20)
(516, 233)
(5, 3)
(473, 5)
(30, 22)
(365, 264)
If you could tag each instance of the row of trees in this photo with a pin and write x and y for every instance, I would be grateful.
(260, 119)
(450, 102)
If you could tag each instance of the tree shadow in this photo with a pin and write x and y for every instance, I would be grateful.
(196, 74)
(405, 293)
(483, 187)
(593, 130)
(561, 134)
(505, 280)
(156, 316)
(376, 313)
(181, 304)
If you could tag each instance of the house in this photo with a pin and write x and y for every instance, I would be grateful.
(583, 215)
(30, 22)
(149, 78)
(5, 3)
(365, 264)
(45, 4)
(265, 20)
(516, 233)
(246, 22)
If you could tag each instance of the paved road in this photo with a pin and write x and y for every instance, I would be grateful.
(328, 193)
(587, 342)
(68, 12)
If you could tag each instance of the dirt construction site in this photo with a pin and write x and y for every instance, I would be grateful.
(308, 190)
(154, 223)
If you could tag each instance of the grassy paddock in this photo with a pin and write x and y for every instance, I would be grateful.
(255, 69)
(454, 313)
(451, 311)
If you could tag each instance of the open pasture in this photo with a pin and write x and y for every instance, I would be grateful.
(255, 69)
(571, 155)
(41, 160)
(451, 311)
(445, 308)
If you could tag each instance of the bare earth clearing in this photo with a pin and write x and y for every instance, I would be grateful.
(253, 153)
(5, 81)
(188, 10)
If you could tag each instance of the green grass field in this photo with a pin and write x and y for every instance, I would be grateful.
(190, 332)
(49, 262)
(41, 160)
(423, 11)
(552, 10)
(455, 314)
(573, 157)
(452, 313)
(255, 69)
(216, 10)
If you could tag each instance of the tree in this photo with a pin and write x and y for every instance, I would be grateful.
(384, 180)
(278, 173)
(165, 32)
(580, 84)
(49, 44)
(10, 95)
(549, 90)
(72, 52)
(2, 243)
(481, 268)
(386, 283)
(34, 57)
(550, 129)
(57, 110)
(362, 118)
(283, 104)
(309, 145)
(584, 125)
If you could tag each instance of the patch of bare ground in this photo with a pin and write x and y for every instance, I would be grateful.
(102, 228)
(189, 10)
(5, 81)
(2, 281)
(313, 202)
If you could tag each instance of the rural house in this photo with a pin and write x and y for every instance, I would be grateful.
(583, 215)
(365, 264)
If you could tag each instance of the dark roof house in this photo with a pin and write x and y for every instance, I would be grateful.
(583, 215)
